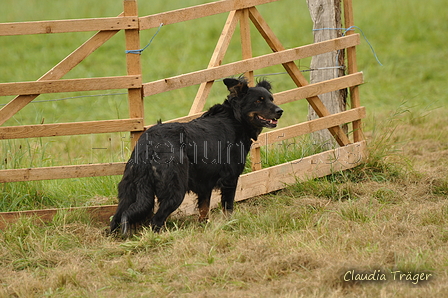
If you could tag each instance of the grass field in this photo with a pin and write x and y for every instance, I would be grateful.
(311, 239)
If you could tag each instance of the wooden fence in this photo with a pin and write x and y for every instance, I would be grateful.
(260, 181)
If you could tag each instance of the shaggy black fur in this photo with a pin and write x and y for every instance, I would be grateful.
(207, 153)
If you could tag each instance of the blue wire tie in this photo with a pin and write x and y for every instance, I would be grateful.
(352, 28)
(149, 43)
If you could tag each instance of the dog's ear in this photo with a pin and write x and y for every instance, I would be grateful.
(237, 88)
(265, 84)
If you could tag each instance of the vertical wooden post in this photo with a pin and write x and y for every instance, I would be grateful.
(326, 17)
(135, 95)
(352, 68)
(246, 47)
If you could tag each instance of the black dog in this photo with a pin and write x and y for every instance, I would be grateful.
(206, 153)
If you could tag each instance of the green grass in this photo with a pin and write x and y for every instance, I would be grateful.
(389, 214)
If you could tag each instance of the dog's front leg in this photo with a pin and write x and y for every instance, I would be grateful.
(227, 199)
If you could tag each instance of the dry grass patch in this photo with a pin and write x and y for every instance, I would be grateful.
(386, 216)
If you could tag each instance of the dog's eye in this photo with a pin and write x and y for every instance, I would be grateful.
(260, 100)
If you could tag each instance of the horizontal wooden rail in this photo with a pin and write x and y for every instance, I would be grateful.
(62, 26)
(67, 129)
(249, 185)
(316, 89)
(278, 177)
(304, 128)
(98, 213)
(181, 119)
(299, 93)
(70, 85)
(243, 66)
(296, 130)
(196, 12)
(310, 167)
(62, 172)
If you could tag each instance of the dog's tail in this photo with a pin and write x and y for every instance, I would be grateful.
(136, 198)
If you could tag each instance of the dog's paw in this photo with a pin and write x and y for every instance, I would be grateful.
(125, 227)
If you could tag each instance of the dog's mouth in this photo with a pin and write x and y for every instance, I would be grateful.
(271, 123)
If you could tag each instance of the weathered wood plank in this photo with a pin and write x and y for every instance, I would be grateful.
(62, 26)
(134, 67)
(196, 12)
(98, 213)
(70, 85)
(279, 176)
(182, 119)
(259, 62)
(62, 172)
(352, 68)
(307, 127)
(66, 129)
(246, 43)
(312, 90)
(349, 22)
(246, 48)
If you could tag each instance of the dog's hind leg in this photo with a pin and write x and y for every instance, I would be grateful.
(140, 210)
(167, 205)
(127, 196)
(170, 192)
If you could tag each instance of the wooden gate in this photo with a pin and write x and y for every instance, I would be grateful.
(260, 181)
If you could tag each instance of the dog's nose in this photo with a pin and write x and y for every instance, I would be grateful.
(279, 112)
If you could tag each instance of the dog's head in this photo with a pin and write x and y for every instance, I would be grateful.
(253, 105)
